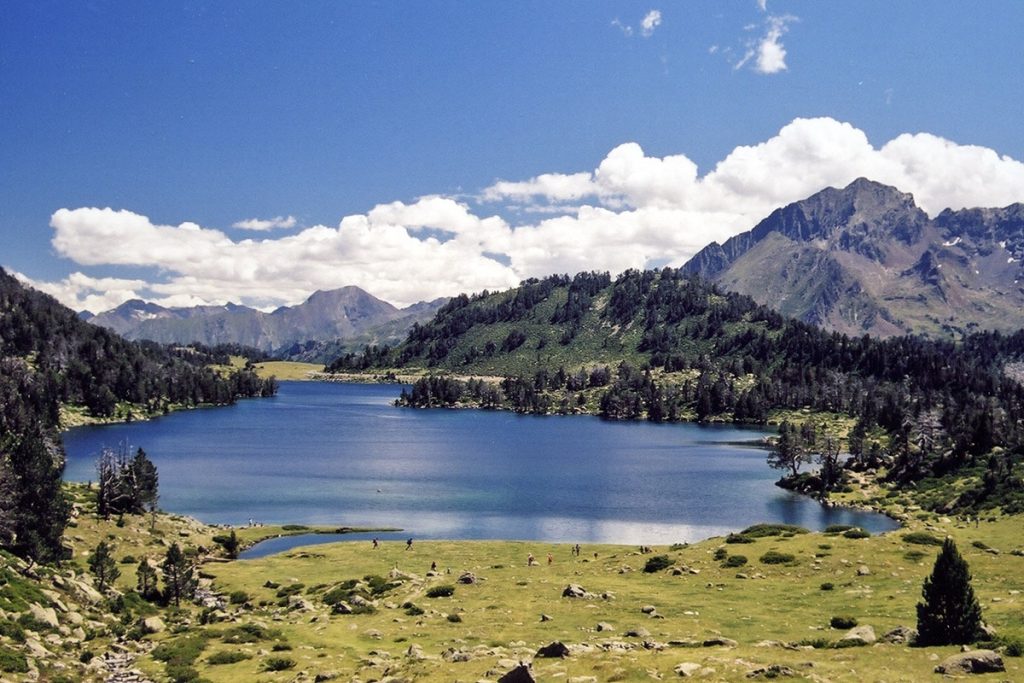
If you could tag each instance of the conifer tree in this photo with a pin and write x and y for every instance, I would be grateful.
(950, 613)
(145, 584)
(179, 577)
(103, 566)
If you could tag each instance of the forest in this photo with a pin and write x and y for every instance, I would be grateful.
(50, 359)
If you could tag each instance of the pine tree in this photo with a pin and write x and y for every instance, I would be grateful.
(103, 566)
(950, 613)
(146, 580)
(179, 577)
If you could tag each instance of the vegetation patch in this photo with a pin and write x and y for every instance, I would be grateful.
(442, 591)
(921, 538)
(227, 657)
(764, 530)
(856, 533)
(734, 561)
(657, 563)
(278, 664)
(775, 557)
(12, 662)
(248, 633)
(842, 622)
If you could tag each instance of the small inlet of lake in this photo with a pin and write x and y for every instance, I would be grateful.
(342, 454)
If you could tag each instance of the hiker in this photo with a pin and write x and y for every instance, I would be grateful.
(550, 559)
(408, 544)
(530, 561)
(433, 566)
(375, 544)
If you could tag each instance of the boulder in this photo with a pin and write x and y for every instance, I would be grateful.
(719, 642)
(772, 671)
(554, 649)
(687, 669)
(520, 674)
(341, 607)
(901, 635)
(574, 590)
(648, 609)
(863, 570)
(47, 615)
(152, 625)
(639, 632)
(604, 626)
(467, 578)
(414, 651)
(972, 662)
(857, 636)
(545, 617)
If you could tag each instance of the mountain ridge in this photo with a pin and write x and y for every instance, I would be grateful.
(866, 259)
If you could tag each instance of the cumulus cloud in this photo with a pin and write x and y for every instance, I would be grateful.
(261, 224)
(632, 210)
(651, 21)
(767, 54)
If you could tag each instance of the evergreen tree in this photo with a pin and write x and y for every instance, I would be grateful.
(103, 566)
(179, 576)
(145, 584)
(144, 483)
(231, 545)
(950, 613)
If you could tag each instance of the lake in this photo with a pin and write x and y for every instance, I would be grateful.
(342, 454)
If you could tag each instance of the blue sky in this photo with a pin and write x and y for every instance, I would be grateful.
(186, 119)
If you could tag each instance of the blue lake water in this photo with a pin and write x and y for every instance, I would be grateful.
(342, 454)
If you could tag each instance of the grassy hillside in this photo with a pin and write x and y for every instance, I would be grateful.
(709, 610)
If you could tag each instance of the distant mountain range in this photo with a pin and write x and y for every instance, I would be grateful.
(866, 259)
(321, 327)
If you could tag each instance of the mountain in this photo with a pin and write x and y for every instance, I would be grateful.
(348, 314)
(866, 259)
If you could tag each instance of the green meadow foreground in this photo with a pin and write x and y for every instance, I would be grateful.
(346, 611)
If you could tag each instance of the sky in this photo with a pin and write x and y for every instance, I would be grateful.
(206, 152)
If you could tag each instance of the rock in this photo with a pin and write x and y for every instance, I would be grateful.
(857, 636)
(152, 625)
(453, 655)
(75, 619)
(772, 671)
(901, 635)
(299, 604)
(687, 669)
(325, 676)
(520, 674)
(648, 609)
(467, 578)
(47, 615)
(987, 632)
(415, 652)
(863, 570)
(341, 607)
(555, 649)
(359, 601)
(87, 592)
(36, 649)
(545, 617)
(719, 642)
(639, 632)
(373, 633)
(583, 679)
(604, 626)
(574, 590)
(973, 662)
(400, 575)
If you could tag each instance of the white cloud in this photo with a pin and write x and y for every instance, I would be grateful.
(771, 54)
(762, 5)
(651, 21)
(626, 29)
(631, 211)
(266, 224)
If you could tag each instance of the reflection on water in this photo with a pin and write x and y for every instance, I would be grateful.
(324, 453)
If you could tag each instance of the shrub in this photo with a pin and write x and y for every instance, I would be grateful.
(1014, 648)
(816, 643)
(827, 586)
(921, 538)
(775, 557)
(295, 527)
(227, 657)
(456, 619)
(842, 622)
(247, 633)
(180, 651)
(735, 561)
(182, 673)
(763, 530)
(657, 563)
(738, 538)
(414, 611)
(720, 554)
(271, 584)
(281, 647)
(950, 613)
(288, 591)
(856, 532)
(238, 597)
(442, 591)
(12, 630)
(128, 559)
(278, 663)
(838, 528)
(913, 555)
(12, 662)
(981, 545)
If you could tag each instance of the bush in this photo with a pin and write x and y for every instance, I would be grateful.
(128, 559)
(226, 657)
(856, 532)
(295, 527)
(414, 611)
(763, 530)
(12, 662)
(442, 591)
(281, 647)
(657, 563)
(456, 619)
(278, 664)
(842, 623)
(720, 554)
(775, 557)
(838, 528)
(181, 651)
(816, 643)
(738, 538)
(981, 545)
(182, 673)
(247, 633)
(1014, 648)
(238, 597)
(921, 538)
(12, 630)
(827, 586)
(734, 561)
